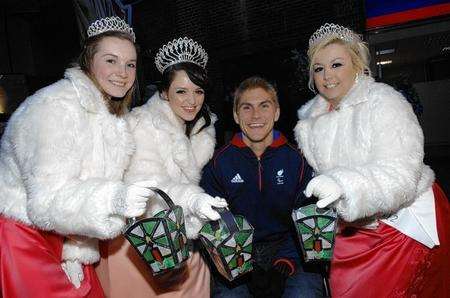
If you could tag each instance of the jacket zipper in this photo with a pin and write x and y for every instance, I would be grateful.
(259, 174)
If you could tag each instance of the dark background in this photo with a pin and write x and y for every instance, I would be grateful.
(40, 38)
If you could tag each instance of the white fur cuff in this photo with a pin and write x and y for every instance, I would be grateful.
(193, 225)
(84, 251)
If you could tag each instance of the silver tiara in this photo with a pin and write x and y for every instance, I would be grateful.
(333, 30)
(179, 50)
(110, 24)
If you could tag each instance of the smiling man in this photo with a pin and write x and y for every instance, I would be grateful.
(262, 177)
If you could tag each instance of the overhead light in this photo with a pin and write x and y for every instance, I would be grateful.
(384, 52)
(384, 62)
(446, 49)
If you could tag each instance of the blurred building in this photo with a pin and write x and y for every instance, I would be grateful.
(410, 48)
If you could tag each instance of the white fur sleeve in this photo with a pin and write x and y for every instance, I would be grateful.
(390, 177)
(50, 159)
(152, 161)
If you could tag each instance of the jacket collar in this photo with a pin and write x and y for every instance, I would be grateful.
(319, 106)
(88, 94)
(278, 140)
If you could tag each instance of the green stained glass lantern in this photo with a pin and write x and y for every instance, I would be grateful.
(160, 240)
(229, 244)
(316, 230)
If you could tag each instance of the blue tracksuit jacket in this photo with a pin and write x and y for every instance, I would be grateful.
(263, 190)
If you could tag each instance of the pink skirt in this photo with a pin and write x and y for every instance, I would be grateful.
(122, 273)
(386, 263)
(30, 265)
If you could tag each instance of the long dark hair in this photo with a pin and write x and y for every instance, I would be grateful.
(117, 107)
(198, 76)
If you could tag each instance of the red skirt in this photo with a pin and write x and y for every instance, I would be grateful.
(386, 263)
(30, 265)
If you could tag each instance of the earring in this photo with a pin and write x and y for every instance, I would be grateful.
(357, 77)
(312, 88)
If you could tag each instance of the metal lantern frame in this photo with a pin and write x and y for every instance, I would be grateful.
(229, 242)
(160, 240)
(316, 229)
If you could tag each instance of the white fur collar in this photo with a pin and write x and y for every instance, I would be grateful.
(189, 154)
(318, 105)
(90, 97)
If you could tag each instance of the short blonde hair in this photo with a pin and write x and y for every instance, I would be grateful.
(358, 50)
(254, 83)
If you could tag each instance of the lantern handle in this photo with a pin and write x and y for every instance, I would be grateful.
(163, 195)
(228, 219)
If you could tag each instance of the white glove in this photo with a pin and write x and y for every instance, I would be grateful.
(201, 205)
(134, 202)
(74, 271)
(325, 189)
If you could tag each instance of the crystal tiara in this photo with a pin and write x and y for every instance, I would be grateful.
(179, 50)
(333, 30)
(110, 24)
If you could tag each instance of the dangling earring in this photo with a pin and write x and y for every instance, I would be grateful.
(312, 88)
(357, 78)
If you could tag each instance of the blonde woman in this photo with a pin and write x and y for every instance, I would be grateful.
(366, 146)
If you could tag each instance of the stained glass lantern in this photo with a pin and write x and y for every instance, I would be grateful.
(316, 229)
(229, 244)
(160, 240)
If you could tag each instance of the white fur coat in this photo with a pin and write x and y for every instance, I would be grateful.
(62, 160)
(167, 156)
(371, 145)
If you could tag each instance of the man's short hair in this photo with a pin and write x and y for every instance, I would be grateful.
(253, 83)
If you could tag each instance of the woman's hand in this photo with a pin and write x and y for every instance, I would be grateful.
(134, 202)
(201, 205)
(325, 189)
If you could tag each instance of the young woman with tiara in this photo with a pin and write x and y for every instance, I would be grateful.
(175, 138)
(62, 160)
(366, 146)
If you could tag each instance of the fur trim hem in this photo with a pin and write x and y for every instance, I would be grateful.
(84, 250)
